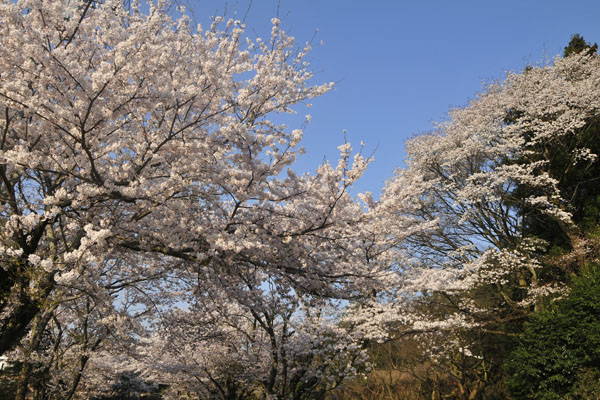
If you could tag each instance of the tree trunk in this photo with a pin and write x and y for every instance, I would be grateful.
(39, 325)
(15, 325)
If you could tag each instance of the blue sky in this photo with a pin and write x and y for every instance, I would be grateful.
(401, 65)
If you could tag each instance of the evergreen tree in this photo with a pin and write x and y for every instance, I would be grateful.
(578, 45)
(560, 348)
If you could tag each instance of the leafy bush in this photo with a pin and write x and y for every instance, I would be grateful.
(560, 348)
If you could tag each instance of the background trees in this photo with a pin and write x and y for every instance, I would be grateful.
(276, 349)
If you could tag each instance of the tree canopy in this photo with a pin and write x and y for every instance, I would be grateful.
(155, 236)
(141, 169)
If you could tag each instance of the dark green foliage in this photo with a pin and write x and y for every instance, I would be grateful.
(559, 349)
(578, 44)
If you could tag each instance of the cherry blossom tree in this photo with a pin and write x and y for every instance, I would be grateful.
(274, 347)
(485, 204)
(461, 191)
(142, 166)
(133, 136)
(78, 322)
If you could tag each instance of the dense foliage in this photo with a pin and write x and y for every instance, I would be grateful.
(559, 351)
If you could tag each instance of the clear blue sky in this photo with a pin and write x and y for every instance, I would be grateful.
(401, 65)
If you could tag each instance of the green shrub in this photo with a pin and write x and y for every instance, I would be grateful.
(560, 347)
